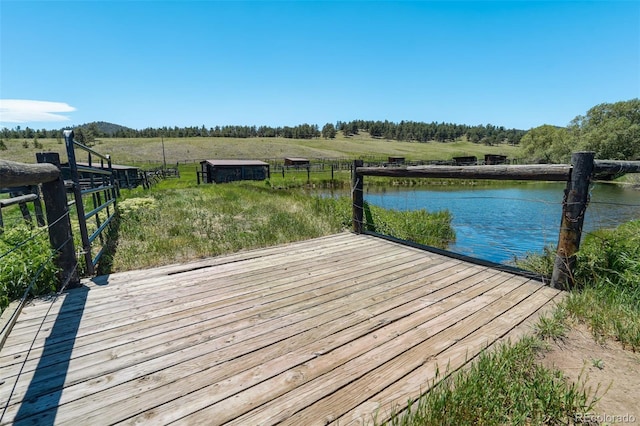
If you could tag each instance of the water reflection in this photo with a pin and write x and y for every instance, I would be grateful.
(499, 223)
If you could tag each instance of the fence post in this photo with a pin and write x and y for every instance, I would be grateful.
(60, 235)
(574, 206)
(357, 196)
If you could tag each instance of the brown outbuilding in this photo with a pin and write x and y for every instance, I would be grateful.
(220, 171)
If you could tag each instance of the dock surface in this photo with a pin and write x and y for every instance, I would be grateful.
(335, 330)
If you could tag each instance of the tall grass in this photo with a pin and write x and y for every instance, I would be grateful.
(608, 276)
(26, 260)
(608, 268)
(178, 221)
(502, 387)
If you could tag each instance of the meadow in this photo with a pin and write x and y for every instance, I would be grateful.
(147, 151)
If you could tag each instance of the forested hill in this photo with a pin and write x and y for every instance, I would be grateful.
(402, 131)
(106, 129)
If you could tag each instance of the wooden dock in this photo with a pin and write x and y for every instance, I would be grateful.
(339, 330)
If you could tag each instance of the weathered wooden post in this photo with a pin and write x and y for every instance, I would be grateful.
(60, 235)
(308, 174)
(574, 207)
(357, 197)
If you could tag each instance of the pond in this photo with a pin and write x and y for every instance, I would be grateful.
(499, 223)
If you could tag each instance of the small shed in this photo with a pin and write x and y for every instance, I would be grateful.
(296, 161)
(220, 171)
(491, 159)
(396, 160)
(465, 161)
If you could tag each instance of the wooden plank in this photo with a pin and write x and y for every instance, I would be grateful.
(13, 174)
(209, 360)
(155, 304)
(292, 283)
(395, 397)
(296, 292)
(128, 276)
(197, 340)
(189, 282)
(116, 293)
(253, 338)
(347, 387)
(300, 292)
(308, 371)
(297, 388)
(538, 172)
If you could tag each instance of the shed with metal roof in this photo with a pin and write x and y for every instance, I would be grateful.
(220, 171)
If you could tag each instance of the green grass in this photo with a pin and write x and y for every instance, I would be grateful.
(146, 151)
(502, 387)
(608, 276)
(177, 221)
(27, 260)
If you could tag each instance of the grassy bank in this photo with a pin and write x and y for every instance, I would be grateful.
(502, 387)
(177, 221)
(608, 276)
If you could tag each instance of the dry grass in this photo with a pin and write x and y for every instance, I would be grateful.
(149, 150)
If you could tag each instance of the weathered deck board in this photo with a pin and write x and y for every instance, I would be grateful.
(332, 329)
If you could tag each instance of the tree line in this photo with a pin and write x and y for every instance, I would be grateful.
(611, 130)
(402, 131)
(426, 132)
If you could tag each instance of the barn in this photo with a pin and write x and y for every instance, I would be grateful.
(396, 160)
(220, 171)
(296, 162)
(491, 159)
(465, 161)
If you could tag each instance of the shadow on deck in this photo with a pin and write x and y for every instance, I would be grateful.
(336, 329)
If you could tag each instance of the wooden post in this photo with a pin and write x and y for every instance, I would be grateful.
(574, 207)
(308, 174)
(60, 235)
(37, 206)
(357, 197)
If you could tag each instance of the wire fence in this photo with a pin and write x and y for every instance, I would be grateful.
(493, 224)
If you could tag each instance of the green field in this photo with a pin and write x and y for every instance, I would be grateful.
(141, 151)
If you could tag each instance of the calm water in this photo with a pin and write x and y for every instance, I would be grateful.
(500, 223)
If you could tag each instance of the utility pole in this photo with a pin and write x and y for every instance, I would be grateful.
(164, 158)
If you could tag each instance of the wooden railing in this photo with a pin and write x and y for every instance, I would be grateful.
(14, 175)
(578, 175)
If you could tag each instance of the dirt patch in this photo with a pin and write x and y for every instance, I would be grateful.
(615, 369)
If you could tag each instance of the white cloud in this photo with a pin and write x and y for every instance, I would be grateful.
(25, 111)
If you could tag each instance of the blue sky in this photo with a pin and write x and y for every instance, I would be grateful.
(191, 63)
